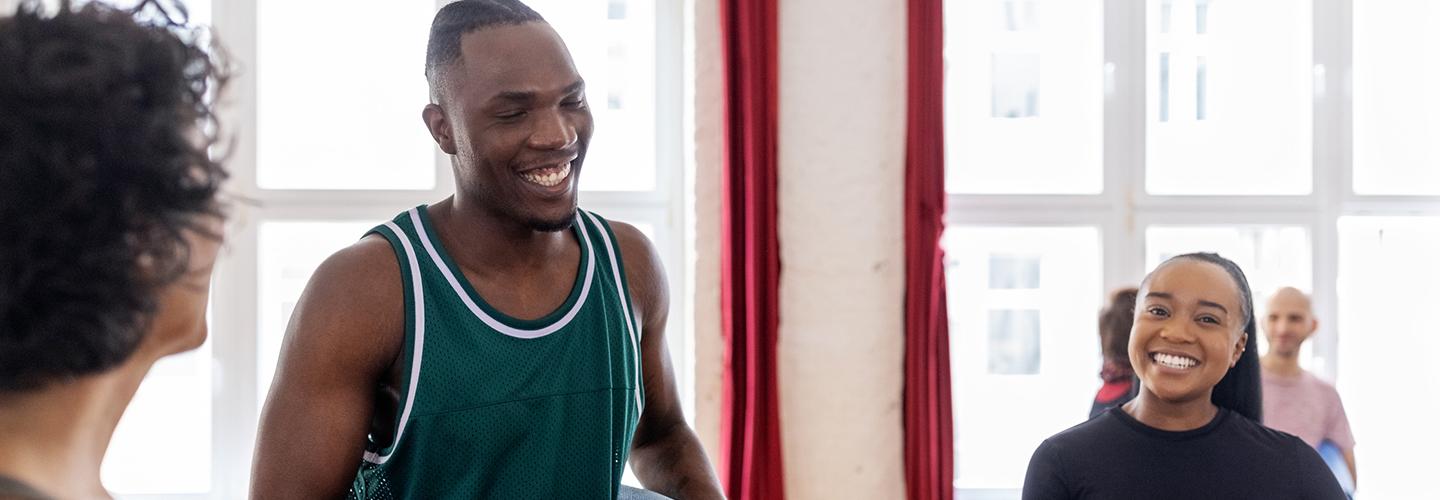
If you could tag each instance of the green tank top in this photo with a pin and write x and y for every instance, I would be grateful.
(498, 407)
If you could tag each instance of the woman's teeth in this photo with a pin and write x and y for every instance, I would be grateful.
(1173, 361)
(548, 176)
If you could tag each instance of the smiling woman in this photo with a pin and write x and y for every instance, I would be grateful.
(1193, 431)
(1231, 377)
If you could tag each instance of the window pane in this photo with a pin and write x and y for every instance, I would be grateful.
(613, 45)
(1387, 293)
(162, 445)
(289, 252)
(1271, 256)
(1021, 73)
(1020, 369)
(1397, 114)
(1014, 271)
(1014, 342)
(339, 108)
(1229, 97)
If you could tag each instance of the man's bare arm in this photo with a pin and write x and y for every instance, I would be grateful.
(344, 335)
(665, 454)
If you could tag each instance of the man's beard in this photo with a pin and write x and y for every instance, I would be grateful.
(532, 221)
(551, 226)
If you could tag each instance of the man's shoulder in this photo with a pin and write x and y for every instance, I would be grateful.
(636, 251)
(1318, 384)
(362, 277)
(643, 268)
(625, 233)
(360, 260)
(1305, 378)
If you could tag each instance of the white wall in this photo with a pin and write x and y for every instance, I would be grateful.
(842, 124)
(709, 144)
(842, 104)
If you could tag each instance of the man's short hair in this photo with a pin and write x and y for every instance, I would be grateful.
(104, 169)
(462, 17)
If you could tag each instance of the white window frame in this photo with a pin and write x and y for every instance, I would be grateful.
(1124, 210)
(235, 318)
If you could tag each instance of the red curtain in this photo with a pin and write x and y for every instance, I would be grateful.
(750, 262)
(929, 443)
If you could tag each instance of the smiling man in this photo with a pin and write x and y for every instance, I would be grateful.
(1296, 401)
(501, 343)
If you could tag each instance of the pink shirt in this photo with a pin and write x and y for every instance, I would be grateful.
(1307, 407)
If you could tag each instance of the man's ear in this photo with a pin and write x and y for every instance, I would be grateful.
(439, 126)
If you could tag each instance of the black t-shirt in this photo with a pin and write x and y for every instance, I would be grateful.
(1114, 456)
(13, 489)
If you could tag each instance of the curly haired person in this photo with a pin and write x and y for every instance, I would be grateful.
(110, 224)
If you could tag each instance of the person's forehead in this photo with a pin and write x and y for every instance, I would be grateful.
(1289, 303)
(1190, 280)
(526, 57)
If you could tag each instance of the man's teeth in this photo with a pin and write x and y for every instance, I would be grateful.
(1173, 361)
(548, 176)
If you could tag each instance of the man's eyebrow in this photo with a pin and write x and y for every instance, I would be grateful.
(529, 95)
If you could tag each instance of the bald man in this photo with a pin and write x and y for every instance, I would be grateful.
(1296, 401)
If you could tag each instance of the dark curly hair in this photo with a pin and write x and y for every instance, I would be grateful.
(106, 127)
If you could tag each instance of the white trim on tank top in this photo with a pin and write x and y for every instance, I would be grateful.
(630, 320)
(419, 297)
(486, 318)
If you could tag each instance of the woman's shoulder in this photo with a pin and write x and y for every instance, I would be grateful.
(1086, 435)
(1065, 457)
(1287, 455)
(1094, 456)
(1265, 437)
(1276, 445)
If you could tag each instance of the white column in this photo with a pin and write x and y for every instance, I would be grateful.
(709, 148)
(842, 152)
(842, 132)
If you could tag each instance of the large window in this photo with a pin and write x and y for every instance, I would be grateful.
(1016, 294)
(329, 143)
(1021, 70)
(1088, 140)
(1228, 101)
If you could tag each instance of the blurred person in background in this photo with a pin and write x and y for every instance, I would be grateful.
(1296, 401)
(110, 226)
(1115, 322)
